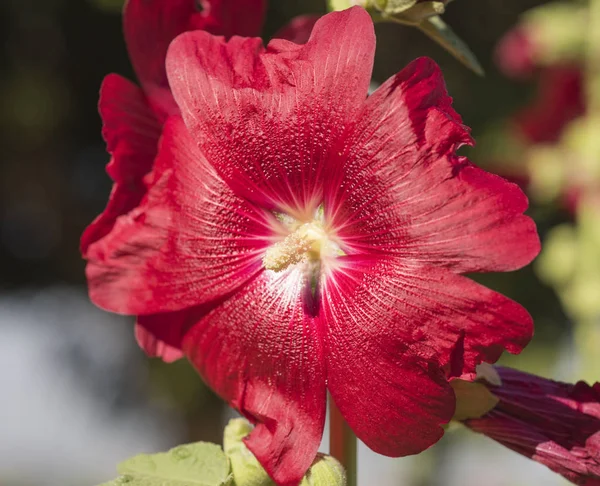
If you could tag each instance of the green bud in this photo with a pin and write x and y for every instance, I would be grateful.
(325, 471)
(335, 5)
(394, 7)
(198, 464)
(247, 471)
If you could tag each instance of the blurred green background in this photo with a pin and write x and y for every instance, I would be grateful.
(78, 396)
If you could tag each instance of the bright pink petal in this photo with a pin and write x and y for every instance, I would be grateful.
(405, 192)
(267, 119)
(260, 351)
(298, 30)
(131, 132)
(151, 25)
(189, 242)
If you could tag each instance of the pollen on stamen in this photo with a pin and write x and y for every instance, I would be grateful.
(293, 249)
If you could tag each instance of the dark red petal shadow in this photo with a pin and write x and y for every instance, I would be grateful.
(131, 132)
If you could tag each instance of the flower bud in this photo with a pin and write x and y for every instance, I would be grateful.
(556, 424)
(325, 471)
(247, 471)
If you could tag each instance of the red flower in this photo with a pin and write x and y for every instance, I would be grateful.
(133, 117)
(554, 423)
(298, 236)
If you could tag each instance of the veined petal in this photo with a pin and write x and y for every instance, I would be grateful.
(267, 118)
(151, 25)
(431, 312)
(131, 132)
(261, 352)
(394, 400)
(395, 333)
(189, 242)
(406, 193)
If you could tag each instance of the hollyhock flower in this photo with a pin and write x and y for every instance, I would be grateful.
(133, 116)
(554, 423)
(298, 236)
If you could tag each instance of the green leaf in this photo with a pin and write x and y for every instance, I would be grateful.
(441, 33)
(198, 464)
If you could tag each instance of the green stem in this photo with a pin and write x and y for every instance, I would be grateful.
(342, 443)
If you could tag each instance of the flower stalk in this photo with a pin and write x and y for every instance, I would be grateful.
(343, 443)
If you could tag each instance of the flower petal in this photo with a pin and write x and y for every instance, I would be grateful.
(151, 25)
(131, 132)
(260, 351)
(417, 199)
(394, 400)
(267, 118)
(189, 242)
(155, 347)
(394, 331)
(436, 314)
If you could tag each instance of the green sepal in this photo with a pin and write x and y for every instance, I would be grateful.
(198, 464)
